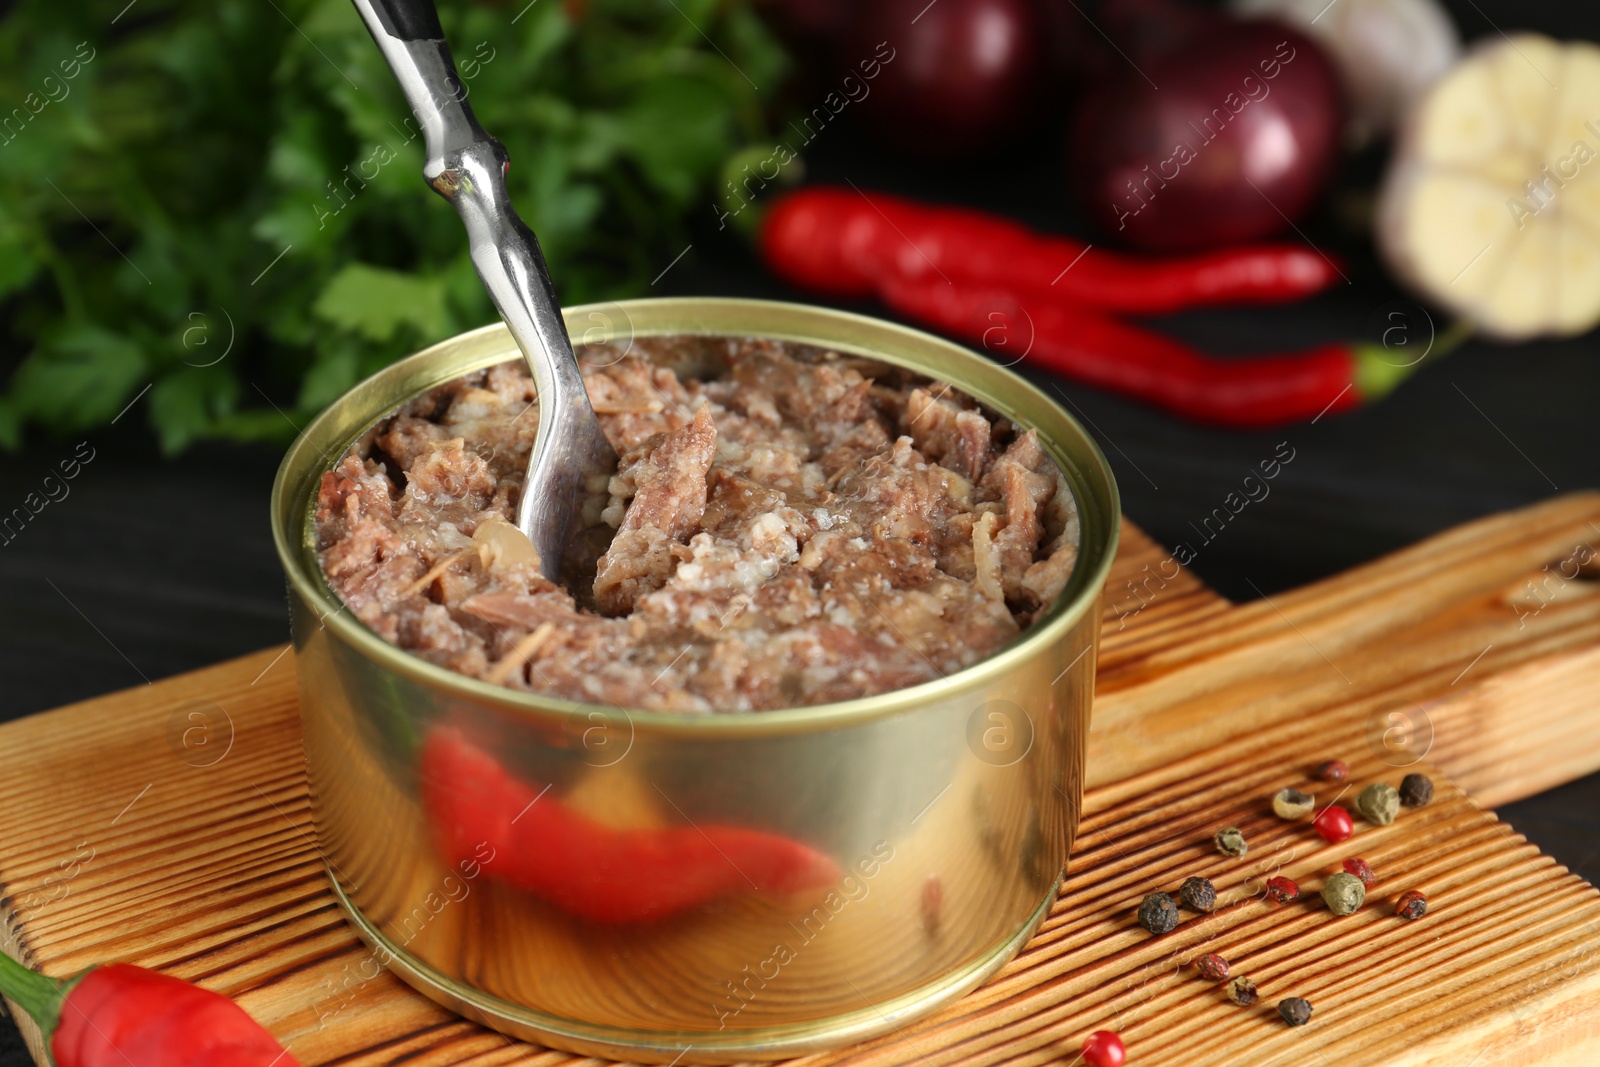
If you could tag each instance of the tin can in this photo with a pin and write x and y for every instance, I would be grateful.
(945, 811)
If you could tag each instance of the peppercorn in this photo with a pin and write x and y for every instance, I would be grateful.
(1334, 824)
(1361, 869)
(1333, 770)
(1197, 894)
(1378, 803)
(1158, 913)
(1412, 904)
(1242, 992)
(1212, 967)
(1104, 1048)
(1282, 890)
(1343, 893)
(1231, 842)
(1295, 1011)
(1292, 804)
(1416, 790)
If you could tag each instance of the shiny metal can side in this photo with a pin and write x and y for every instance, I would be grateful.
(940, 815)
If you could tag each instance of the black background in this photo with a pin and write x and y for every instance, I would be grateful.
(153, 567)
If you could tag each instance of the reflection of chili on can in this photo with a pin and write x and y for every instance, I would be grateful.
(545, 846)
(932, 904)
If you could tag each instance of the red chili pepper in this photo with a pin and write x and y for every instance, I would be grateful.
(538, 843)
(125, 1016)
(1062, 337)
(842, 242)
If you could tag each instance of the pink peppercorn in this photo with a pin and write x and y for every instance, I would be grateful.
(1411, 905)
(1281, 890)
(1361, 869)
(1334, 824)
(1103, 1048)
(1333, 770)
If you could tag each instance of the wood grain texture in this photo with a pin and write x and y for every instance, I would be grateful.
(125, 840)
(1474, 634)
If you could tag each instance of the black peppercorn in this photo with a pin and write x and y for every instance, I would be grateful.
(1197, 894)
(1158, 913)
(1242, 992)
(1416, 790)
(1295, 1012)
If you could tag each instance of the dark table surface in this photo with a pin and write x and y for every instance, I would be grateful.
(152, 567)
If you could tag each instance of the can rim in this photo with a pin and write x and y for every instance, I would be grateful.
(333, 430)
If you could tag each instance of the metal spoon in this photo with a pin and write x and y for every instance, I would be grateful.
(467, 167)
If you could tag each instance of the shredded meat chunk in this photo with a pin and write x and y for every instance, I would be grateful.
(793, 527)
(666, 479)
(947, 433)
(1022, 491)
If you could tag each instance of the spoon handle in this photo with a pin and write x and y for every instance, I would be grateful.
(467, 167)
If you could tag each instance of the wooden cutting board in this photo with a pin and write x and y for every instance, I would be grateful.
(127, 835)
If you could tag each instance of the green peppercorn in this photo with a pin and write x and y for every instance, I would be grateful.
(1197, 894)
(1231, 842)
(1343, 893)
(1416, 790)
(1158, 913)
(1295, 1011)
(1378, 803)
(1242, 992)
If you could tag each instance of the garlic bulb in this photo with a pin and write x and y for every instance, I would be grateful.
(1491, 206)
